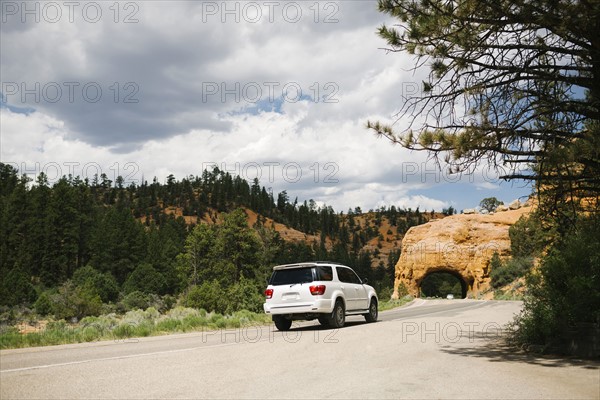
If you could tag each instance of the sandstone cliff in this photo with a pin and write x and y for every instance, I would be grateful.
(460, 244)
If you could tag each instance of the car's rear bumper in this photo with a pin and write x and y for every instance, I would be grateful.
(320, 306)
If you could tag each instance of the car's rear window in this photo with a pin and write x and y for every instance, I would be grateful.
(301, 275)
(324, 273)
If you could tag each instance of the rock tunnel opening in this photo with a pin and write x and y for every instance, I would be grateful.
(442, 283)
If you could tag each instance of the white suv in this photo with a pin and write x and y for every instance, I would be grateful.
(323, 290)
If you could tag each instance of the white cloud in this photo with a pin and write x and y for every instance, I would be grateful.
(172, 54)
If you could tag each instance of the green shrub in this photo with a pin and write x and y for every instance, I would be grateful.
(244, 295)
(385, 294)
(194, 321)
(144, 330)
(123, 331)
(209, 296)
(502, 295)
(138, 317)
(169, 325)
(565, 291)
(104, 323)
(43, 304)
(7, 316)
(166, 303)
(10, 338)
(180, 313)
(503, 273)
(105, 285)
(217, 321)
(528, 237)
(91, 333)
(134, 300)
(57, 325)
(75, 302)
(146, 279)
(246, 317)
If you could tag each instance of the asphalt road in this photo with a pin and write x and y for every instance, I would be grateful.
(431, 349)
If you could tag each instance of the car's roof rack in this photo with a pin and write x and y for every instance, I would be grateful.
(304, 264)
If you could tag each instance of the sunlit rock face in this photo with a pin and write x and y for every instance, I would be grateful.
(461, 244)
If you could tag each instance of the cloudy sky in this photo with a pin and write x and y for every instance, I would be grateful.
(275, 90)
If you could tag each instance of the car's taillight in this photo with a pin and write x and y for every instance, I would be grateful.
(317, 290)
(269, 293)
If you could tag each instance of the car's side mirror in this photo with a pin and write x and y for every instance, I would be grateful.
(365, 280)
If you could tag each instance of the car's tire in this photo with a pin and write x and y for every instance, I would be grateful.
(283, 324)
(373, 313)
(338, 315)
(324, 320)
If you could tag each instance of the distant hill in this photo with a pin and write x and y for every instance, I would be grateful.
(48, 232)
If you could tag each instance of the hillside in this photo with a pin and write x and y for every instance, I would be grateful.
(384, 244)
(214, 217)
(377, 232)
(387, 240)
(109, 241)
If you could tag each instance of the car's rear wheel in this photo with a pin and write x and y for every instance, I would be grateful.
(371, 316)
(283, 324)
(338, 315)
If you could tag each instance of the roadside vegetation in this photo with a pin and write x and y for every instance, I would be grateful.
(133, 324)
(557, 275)
(394, 303)
(33, 330)
(562, 301)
